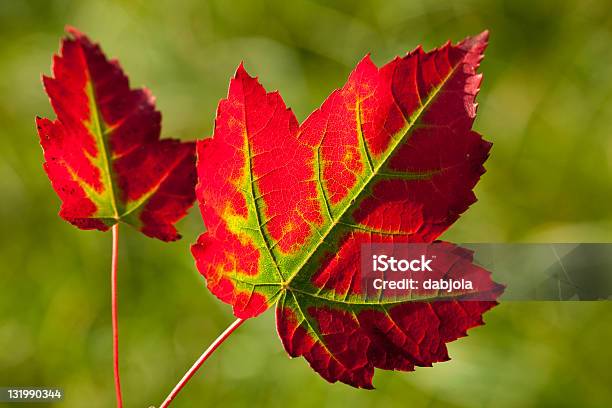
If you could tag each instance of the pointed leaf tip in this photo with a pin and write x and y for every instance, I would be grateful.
(75, 32)
(479, 41)
(241, 71)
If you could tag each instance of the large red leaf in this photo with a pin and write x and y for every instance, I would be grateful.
(389, 157)
(103, 153)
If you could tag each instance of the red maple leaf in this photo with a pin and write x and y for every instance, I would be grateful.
(103, 153)
(389, 157)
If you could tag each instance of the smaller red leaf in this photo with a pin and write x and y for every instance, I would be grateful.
(103, 154)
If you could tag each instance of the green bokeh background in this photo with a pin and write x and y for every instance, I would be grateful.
(545, 103)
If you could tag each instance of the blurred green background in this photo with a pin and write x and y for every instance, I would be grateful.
(545, 103)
